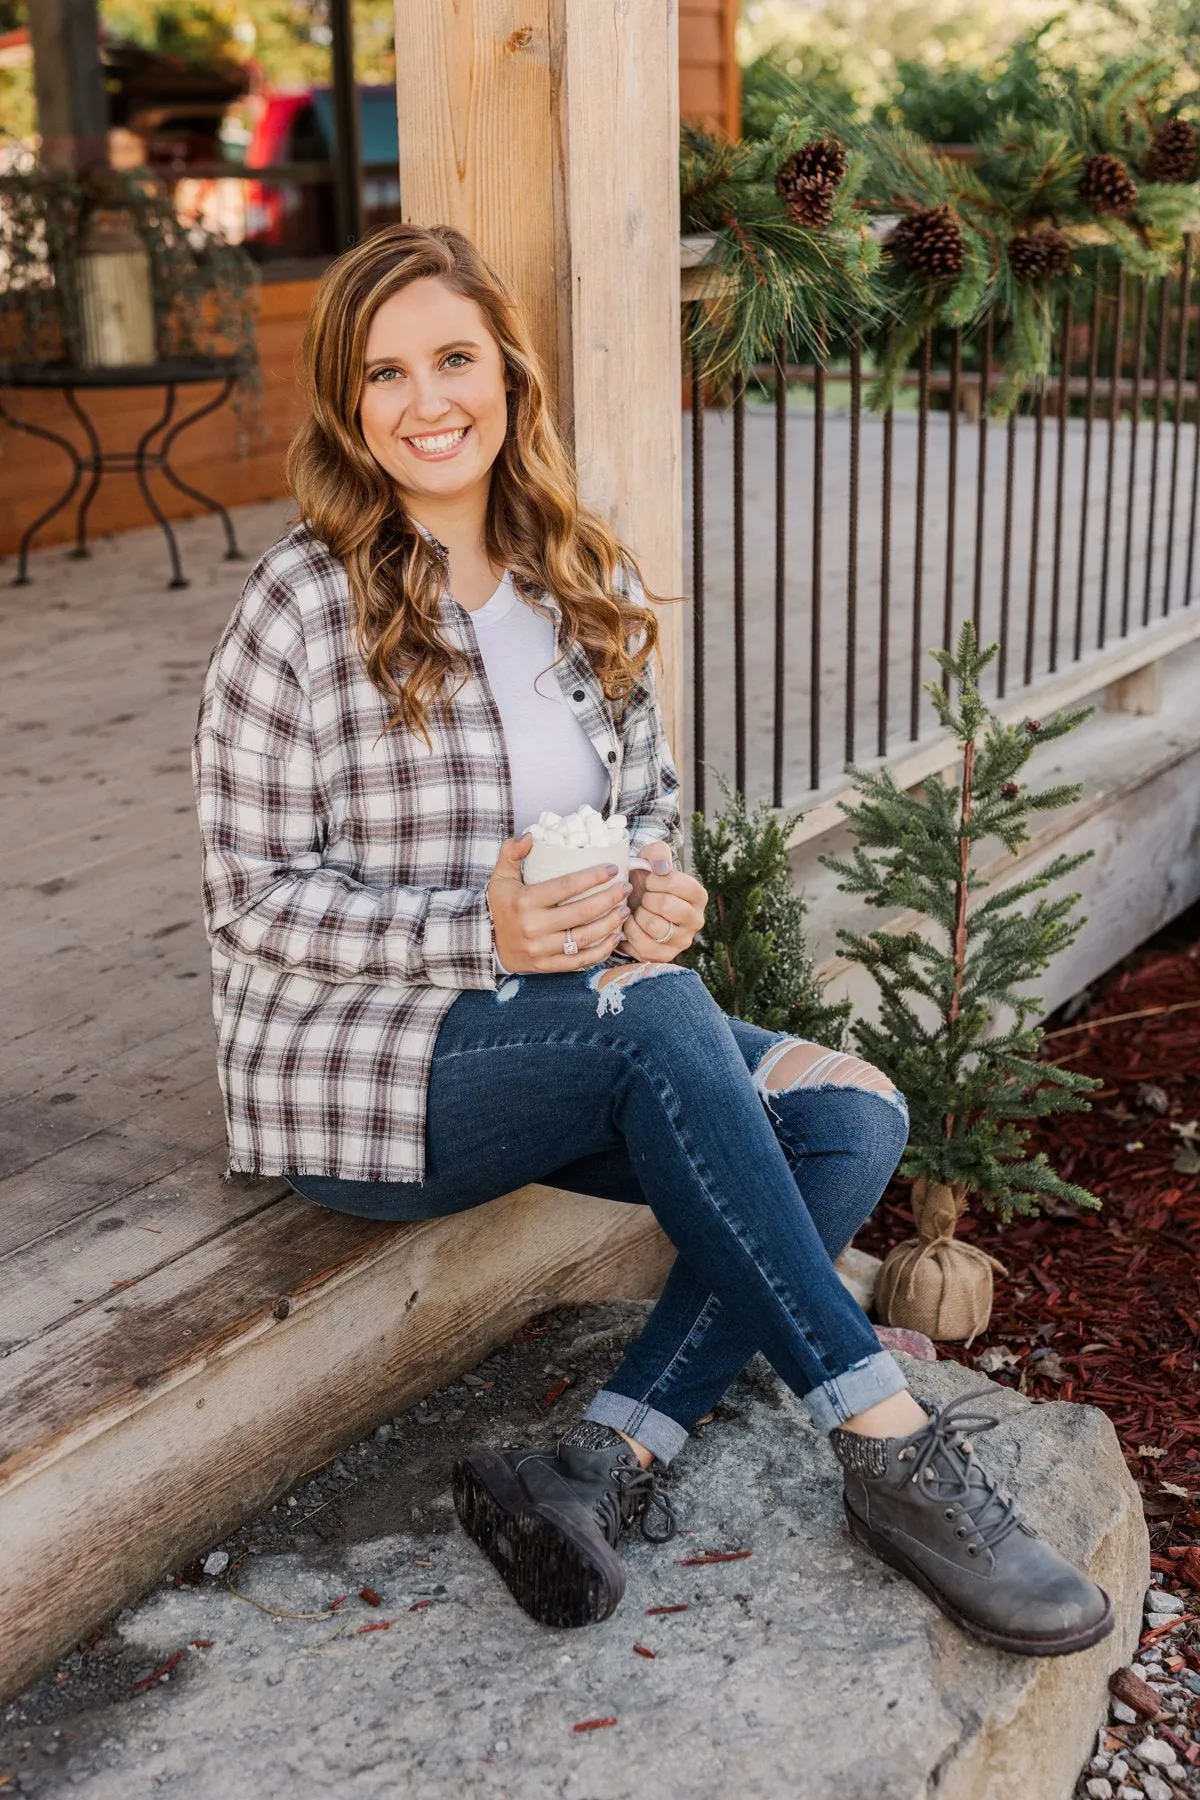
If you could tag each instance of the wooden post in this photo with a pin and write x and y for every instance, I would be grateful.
(1140, 692)
(548, 133)
(68, 80)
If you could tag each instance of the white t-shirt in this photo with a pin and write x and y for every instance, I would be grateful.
(554, 764)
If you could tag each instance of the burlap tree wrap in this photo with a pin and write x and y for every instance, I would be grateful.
(933, 1283)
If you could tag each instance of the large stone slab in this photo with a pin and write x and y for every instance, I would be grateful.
(805, 1671)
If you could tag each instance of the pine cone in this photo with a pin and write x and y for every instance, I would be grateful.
(1107, 186)
(809, 179)
(931, 241)
(1174, 155)
(1042, 256)
(1010, 790)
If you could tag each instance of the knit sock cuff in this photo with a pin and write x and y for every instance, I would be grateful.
(861, 1455)
(589, 1434)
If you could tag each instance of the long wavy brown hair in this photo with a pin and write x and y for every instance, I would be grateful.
(535, 526)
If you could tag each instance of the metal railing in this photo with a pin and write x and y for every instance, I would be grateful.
(831, 547)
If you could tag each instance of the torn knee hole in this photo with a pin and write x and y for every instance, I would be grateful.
(794, 1063)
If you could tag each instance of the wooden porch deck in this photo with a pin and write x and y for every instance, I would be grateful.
(176, 1350)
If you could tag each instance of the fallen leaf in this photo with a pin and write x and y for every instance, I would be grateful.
(1050, 1366)
(1173, 1487)
(996, 1356)
(592, 1724)
(1190, 1131)
(1151, 1095)
(554, 1393)
(650, 1610)
(641, 1650)
(1187, 1160)
(201, 1643)
(375, 1625)
(420, 1605)
(370, 1596)
(1151, 1450)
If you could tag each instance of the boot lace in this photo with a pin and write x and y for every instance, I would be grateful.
(638, 1495)
(946, 1470)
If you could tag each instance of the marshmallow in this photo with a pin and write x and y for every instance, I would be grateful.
(585, 828)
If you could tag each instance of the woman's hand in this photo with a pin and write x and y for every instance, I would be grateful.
(666, 897)
(529, 924)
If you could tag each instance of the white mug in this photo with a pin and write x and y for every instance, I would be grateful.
(544, 862)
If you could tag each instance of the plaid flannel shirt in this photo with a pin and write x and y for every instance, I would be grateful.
(346, 867)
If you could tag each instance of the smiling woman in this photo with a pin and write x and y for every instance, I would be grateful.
(408, 1028)
(434, 414)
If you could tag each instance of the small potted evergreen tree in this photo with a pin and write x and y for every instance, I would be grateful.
(957, 1028)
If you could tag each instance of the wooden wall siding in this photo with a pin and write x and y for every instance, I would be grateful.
(710, 89)
(33, 473)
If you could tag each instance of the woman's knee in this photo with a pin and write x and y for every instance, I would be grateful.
(866, 1114)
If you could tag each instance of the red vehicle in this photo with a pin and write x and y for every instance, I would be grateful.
(296, 218)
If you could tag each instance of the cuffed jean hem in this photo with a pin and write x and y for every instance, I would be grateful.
(864, 1384)
(663, 1437)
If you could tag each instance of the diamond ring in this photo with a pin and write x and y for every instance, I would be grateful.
(570, 947)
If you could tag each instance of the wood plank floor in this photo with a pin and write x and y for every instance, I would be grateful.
(111, 1134)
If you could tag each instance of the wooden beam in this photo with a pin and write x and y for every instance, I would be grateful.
(194, 1399)
(549, 133)
(68, 81)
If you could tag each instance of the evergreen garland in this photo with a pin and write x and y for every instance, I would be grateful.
(751, 953)
(795, 255)
(1045, 203)
(970, 1079)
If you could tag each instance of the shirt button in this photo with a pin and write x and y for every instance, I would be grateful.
(579, 694)
(612, 756)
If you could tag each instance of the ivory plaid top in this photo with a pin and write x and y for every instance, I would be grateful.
(345, 866)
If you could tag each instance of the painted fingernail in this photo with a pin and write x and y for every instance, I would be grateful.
(612, 869)
(661, 868)
(628, 888)
(624, 913)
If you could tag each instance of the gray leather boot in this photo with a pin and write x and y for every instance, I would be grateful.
(550, 1523)
(925, 1506)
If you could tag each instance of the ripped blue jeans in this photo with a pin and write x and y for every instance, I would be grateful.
(633, 1085)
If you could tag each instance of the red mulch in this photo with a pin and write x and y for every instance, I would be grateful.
(1105, 1307)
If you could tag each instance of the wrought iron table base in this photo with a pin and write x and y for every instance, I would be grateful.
(96, 462)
